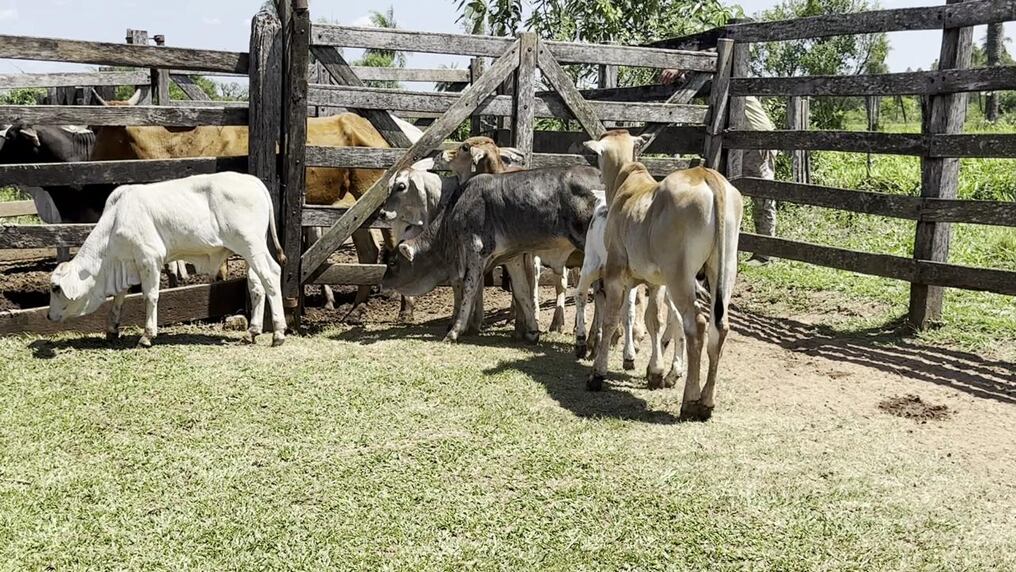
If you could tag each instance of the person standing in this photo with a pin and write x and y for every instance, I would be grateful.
(760, 163)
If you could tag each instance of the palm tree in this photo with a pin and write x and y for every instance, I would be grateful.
(379, 58)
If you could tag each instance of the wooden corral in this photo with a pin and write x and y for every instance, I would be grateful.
(940, 145)
(510, 84)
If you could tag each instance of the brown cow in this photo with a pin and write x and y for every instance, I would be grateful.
(325, 185)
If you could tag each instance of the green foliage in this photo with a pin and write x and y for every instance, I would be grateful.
(377, 58)
(22, 96)
(836, 55)
(629, 22)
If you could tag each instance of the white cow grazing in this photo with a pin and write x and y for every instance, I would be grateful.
(201, 219)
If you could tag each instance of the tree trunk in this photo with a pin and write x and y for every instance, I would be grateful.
(996, 35)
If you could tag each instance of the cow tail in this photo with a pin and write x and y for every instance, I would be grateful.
(719, 188)
(279, 253)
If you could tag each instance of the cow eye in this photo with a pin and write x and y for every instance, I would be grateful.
(55, 289)
(400, 186)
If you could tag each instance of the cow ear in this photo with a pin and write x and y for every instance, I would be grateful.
(423, 164)
(478, 154)
(594, 146)
(407, 251)
(31, 135)
(512, 156)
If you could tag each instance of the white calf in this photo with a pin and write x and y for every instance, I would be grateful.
(201, 220)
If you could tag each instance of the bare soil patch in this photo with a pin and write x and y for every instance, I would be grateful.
(913, 407)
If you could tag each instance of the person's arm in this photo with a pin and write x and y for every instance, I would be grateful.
(670, 76)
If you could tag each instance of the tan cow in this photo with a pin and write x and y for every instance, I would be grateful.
(325, 185)
(663, 234)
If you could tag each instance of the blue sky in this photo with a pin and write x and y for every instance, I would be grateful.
(224, 24)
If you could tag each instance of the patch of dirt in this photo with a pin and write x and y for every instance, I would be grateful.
(911, 406)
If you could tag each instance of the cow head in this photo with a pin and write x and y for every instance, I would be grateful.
(615, 149)
(72, 293)
(410, 200)
(478, 155)
(21, 143)
(412, 269)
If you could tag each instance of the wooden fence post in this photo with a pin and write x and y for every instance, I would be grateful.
(294, 139)
(160, 78)
(939, 176)
(607, 78)
(475, 71)
(265, 76)
(524, 109)
(740, 54)
(140, 38)
(719, 97)
(797, 120)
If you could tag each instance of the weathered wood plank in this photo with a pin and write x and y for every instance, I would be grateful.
(265, 90)
(523, 112)
(351, 274)
(883, 265)
(91, 79)
(336, 65)
(579, 53)
(718, 99)
(108, 54)
(906, 83)
(921, 272)
(43, 235)
(181, 116)
(657, 167)
(881, 204)
(940, 177)
(850, 141)
(185, 83)
(176, 305)
(997, 213)
(973, 145)
(500, 106)
(470, 98)
(735, 117)
(327, 216)
(671, 140)
(115, 172)
(640, 93)
(924, 18)
(294, 138)
(581, 109)
(17, 208)
(209, 103)
(450, 75)
(691, 86)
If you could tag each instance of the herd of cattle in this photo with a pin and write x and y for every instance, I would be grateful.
(677, 237)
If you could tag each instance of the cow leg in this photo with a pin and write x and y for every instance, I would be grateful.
(682, 292)
(599, 302)
(613, 283)
(590, 273)
(115, 314)
(525, 325)
(269, 273)
(472, 280)
(640, 326)
(674, 333)
(457, 286)
(719, 326)
(654, 373)
(150, 292)
(560, 291)
(366, 253)
(257, 303)
(629, 324)
(476, 316)
(406, 306)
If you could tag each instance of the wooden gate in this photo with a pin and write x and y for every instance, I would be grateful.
(516, 60)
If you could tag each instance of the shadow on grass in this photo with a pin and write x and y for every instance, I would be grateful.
(888, 349)
(47, 349)
(552, 364)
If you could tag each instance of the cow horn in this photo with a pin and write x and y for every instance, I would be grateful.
(135, 98)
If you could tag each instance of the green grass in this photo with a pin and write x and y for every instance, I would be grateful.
(387, 450)
(973, 320)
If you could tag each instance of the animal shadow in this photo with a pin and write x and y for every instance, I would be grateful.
(49, 349)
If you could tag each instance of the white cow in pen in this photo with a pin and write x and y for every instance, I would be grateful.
(201, 220)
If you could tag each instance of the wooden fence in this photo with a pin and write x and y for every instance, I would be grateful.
(940, 145)
(516, 62)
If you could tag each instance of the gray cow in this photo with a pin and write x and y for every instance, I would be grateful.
(490, 220)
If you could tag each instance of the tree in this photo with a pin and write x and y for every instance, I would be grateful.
(380, 58)
(994, 49)
(630, 22)
(836, 55)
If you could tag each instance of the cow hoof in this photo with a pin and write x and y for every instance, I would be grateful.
(628, 365)
(112, 336)
(557, 324)
(695, 411)
(144, 342)
(655, 380)
(357, 315)
(406, 317)
(671, 379)
(451, 338)
(581, 349)
(250, 337)
(533, 337)
(594, 382)
(278, 340)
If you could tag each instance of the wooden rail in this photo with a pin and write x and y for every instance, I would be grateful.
(108, 54)
(31, 80)
(178, 116)
(906, 83)
(116, 172)
(16, 208)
